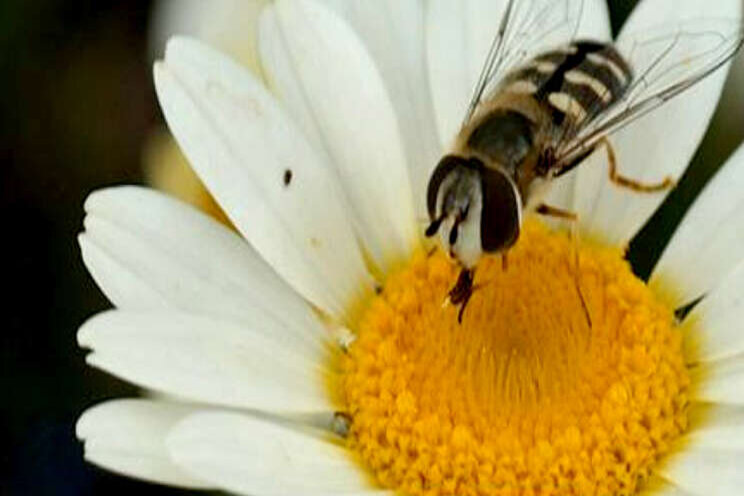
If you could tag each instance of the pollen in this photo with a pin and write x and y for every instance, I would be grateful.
(566, 376)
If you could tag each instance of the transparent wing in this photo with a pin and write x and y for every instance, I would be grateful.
(527, 28)
(665, 62)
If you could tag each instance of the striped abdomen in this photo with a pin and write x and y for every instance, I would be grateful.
(576, 82)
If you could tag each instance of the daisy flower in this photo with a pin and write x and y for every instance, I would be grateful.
(310, 351)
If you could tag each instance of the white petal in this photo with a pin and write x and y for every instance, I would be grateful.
(710, 239)
(662, 487)
(717, 322)
(457, 42)
(706, 472)
(561, 195)
(458, 37)
(393, 32)
(656, 146)
(243, 147)
(282, 78)
(728, 122)
(720, 382)
(122, 286)
(229, 25)
(720, 427)
(595, 21)
(128, 437)
(343, 102)
(212, 361)
(258, 457)
(171, 17)
(148, 251)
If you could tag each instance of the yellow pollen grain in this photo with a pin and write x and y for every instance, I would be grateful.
(524, 397)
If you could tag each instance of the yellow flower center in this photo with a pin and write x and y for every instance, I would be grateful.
(527, 395)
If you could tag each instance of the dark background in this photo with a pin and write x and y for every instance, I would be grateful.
(77, 103)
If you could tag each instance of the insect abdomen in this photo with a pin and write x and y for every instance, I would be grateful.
(576, 82)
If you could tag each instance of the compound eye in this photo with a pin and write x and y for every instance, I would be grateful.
(501, 213)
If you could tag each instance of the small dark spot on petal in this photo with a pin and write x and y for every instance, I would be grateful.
(287, 177)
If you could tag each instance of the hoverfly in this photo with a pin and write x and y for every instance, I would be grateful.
(538, 111)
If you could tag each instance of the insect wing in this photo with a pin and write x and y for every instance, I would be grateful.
(527, 28)
(665, 61)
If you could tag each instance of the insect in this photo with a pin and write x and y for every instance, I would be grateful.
(538, 111)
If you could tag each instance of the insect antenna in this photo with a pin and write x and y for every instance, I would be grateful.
(434, 226)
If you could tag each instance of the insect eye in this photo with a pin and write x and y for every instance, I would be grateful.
(501, 213)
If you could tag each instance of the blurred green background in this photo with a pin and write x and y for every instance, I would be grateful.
(77, 104)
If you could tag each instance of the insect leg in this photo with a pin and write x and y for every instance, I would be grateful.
(577, 273)
(560, 213)
(462, 291)
(627, 182)
(615, 176)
